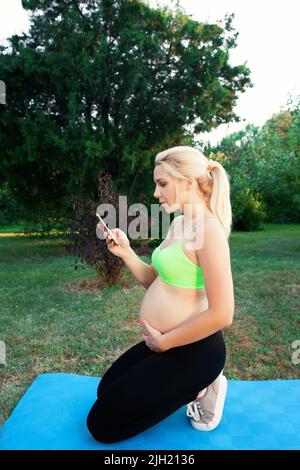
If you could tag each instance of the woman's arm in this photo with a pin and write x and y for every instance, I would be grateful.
(214, 258)
(142, 271)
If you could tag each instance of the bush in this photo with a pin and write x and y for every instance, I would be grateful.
(248, 209)
(41, 225)
(83, 241)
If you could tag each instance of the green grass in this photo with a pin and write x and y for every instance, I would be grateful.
(49, 323)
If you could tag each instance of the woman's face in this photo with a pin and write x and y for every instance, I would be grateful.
(165, 190)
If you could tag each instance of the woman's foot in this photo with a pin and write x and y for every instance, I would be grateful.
(206, 411)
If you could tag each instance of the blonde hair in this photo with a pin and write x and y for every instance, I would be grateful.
(184, 162)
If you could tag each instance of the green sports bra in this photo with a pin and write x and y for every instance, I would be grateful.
(175, 268)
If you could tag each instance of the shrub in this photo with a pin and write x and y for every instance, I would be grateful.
(83, 241)
(248, 209)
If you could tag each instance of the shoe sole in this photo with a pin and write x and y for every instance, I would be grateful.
(219, 409)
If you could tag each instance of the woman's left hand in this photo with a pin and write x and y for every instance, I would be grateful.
(152, 337)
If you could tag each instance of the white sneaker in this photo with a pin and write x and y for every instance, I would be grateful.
(206, 411)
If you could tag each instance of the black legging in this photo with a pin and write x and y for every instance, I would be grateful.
(143, 387)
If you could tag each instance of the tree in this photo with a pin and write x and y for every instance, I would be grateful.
(264, 167)
(278, 175)
(236, 153)
(102, 86)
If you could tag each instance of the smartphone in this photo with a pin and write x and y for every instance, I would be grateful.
(110, 233)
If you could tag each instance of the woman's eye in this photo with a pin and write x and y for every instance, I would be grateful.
(163, 185)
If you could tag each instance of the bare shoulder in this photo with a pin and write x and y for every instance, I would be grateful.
(213, 224)
(214, 239)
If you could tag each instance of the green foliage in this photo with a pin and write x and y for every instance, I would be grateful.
(31, 221)
(278, 174)
(247, 207)
(9, 210)
(264, 168)
(39, 225)
(103, 86)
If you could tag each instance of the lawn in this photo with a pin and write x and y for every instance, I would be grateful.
(51, 322)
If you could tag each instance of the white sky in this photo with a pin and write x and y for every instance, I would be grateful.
(268, 43)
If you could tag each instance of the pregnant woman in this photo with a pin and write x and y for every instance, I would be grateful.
(189, 300)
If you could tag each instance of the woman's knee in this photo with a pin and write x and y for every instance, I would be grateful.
(100, 429)
(97, 431)
(94, 423)
(102, 423)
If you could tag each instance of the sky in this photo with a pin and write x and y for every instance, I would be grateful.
(268, 43)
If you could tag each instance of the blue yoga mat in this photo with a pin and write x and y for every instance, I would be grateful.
(52, 415)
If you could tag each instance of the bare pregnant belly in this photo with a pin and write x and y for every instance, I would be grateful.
(165, 306)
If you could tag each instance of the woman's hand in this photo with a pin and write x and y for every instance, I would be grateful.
(120, 250)
(152, 337)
